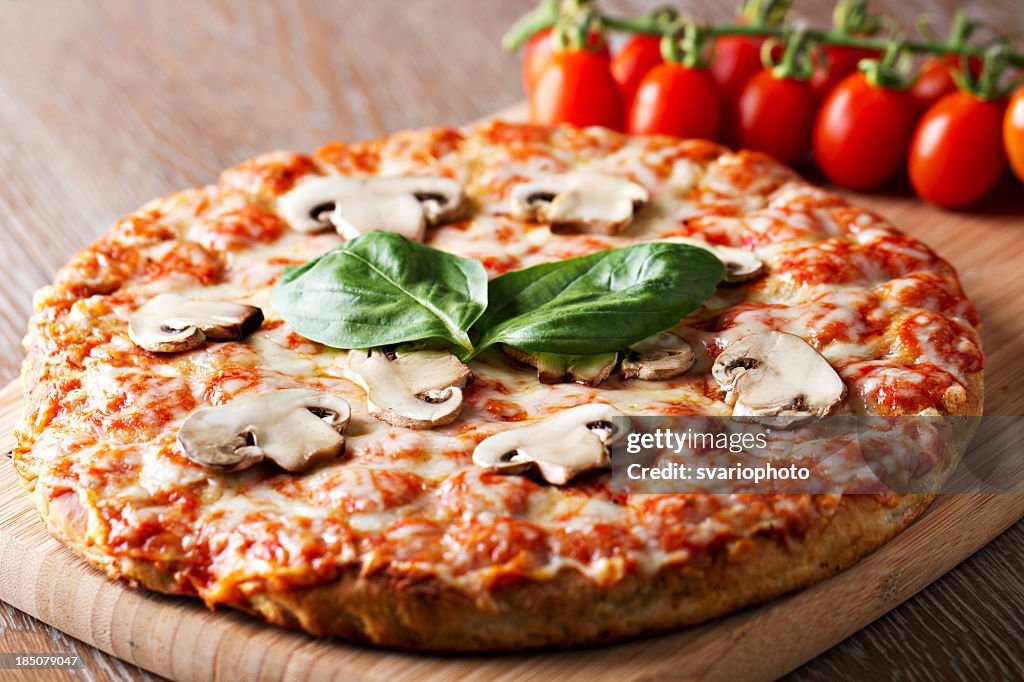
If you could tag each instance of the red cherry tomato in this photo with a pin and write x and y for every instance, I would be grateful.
(577, 87)
(638, 56)
(842, 61)
(1013, 133)
(862, 132)
(676, 100)
(933, 81)
(737, 58)
(537, 55)
(935, 78)
(956, 154)
(774, 115)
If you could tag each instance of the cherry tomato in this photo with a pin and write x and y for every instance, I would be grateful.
(537, 55)
(774, 115)
(1013, 133)
(577, 87)
(933, 81)
(638, 56)
(676, 100)
(862, 132)
(737, 58)
(956, 154)
(842, 61)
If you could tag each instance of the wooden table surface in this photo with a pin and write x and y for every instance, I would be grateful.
(106, 104)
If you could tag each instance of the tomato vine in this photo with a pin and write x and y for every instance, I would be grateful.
(854, 26)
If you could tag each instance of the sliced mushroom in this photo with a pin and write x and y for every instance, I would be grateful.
(400, 213)
(658, 357)
(403, 204)
(589, 370)
(560, 447)
(777, 374)
(740, 264)
(169, 323)
(295, 428)
(417, 389)
(309, 206)
(580, 202)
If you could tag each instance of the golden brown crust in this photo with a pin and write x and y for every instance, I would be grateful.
(570, 610)
(974, 404)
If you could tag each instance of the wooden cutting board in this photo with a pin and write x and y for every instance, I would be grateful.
(180, 639)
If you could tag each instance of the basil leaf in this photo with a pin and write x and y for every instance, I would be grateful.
(598, 303)
(381, 288)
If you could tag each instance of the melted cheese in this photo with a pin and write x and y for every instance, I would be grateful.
(104, 418)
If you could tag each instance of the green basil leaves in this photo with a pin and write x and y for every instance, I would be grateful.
(598, 303)
(381, 289)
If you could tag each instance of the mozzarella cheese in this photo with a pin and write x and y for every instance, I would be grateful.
(102, 413)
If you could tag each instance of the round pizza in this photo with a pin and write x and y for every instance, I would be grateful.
(374, 392)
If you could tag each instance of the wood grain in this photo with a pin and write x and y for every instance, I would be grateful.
(180, 639)
(105, 104)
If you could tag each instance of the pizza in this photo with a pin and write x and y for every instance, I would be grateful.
(182, 436)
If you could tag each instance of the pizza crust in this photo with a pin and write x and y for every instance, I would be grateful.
(571, 610)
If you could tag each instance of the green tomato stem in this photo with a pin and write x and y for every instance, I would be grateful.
(684, 45)
(954, 45)
(854, 26)
(539, 18)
